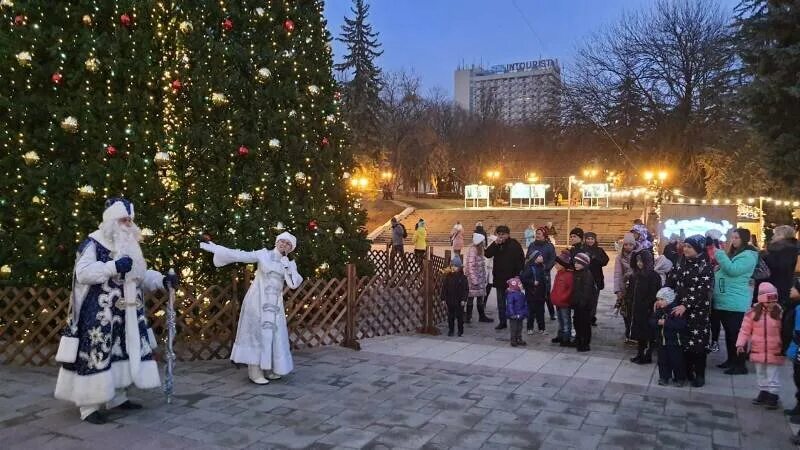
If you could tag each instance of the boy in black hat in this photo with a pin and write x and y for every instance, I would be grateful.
(455, 289)
(575, 241)
(583, 301)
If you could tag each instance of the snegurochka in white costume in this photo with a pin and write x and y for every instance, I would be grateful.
(262, 339)
(108, 344)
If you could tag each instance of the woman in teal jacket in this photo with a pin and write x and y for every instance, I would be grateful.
(733, 293)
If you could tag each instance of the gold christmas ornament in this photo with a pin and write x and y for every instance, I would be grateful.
(92, 64)
(274, 144)
(185, 27)
(244, 197)
(300, 178)
(36, 200)
(147, 233)
(24, 59)
(161, 159)
(86, 191)
(219, 99)
(260, 12)
(70, 124)
(87, 20)
(7, 4)
(279, 226)
(31, 158)
(330, 118)
(313, 89)
(346, 175)
(263, 74)
(292, 113)
(5, 271)
(324, 267)
(339, 232)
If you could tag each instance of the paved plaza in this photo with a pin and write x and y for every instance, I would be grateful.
(417, 391)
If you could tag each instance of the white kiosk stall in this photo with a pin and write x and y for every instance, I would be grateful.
(595, 192)
(476, 193)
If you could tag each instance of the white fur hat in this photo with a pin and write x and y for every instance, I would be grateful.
(714, 234)
(117, 208)
(477, 238)
(288, 237)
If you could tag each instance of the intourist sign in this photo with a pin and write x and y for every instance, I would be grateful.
(527, 65)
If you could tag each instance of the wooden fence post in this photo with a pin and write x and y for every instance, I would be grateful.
(350, 330)
(428, 325)
(447, 257)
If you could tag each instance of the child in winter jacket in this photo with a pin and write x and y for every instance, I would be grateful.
(583, 301)
(561, 293)
(516, 310)
(670, 335)
(454, 294)
(762, 328)
(534, 281)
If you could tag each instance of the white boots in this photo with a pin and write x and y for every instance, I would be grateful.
(256, 374)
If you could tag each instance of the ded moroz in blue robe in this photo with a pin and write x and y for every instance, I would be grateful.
(102, 364)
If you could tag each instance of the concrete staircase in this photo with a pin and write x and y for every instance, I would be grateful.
(609, 224)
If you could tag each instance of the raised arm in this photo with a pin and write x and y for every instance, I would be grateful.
(224, 256)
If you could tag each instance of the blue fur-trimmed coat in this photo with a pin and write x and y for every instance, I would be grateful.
(102, 364)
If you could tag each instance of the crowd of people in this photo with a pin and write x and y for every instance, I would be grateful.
(673, 303)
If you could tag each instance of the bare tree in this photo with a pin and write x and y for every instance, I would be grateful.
(673, 63)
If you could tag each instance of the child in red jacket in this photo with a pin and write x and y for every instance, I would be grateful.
(560, 295)
(762, 329)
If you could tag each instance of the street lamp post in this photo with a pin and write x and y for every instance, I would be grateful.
(569, 207)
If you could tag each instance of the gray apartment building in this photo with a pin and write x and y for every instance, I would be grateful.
(520, 91)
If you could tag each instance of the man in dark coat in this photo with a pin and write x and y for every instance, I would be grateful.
(599, 259)
(575, 241)
(781, 258)
(508, 261)
(546, 248)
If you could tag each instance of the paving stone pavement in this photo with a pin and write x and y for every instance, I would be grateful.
(413, 391)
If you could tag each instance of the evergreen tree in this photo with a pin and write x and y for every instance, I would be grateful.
(224, 120)
(362, 103)
(77, 112)
(769, 45)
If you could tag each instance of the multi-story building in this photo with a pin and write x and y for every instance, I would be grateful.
(516, 92)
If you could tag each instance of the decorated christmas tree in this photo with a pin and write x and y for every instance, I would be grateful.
(216, 118)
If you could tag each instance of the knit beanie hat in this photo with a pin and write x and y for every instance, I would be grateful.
(514, 284)
(582, 259)
(577, 232)
(564, 259)
(502, 229)
(767, 292)
(698, 242)
(666, 294)
(543, 230)
(629, 238)
(455, 261)
(714, 234)
(590, 234)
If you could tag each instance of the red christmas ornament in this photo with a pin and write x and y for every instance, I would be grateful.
(325, 142)
(288, 25)
(61, 248)
(227, 24)
(111, 150)
(19, 20)
(313, 225)
(244, 151)
(337, 95)
(56, 78)
(125, 20)
(176, 85)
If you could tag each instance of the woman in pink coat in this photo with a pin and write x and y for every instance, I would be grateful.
(457, 238)
(475, 270)
(762, 328)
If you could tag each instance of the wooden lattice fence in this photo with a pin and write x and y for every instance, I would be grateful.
(401, 296)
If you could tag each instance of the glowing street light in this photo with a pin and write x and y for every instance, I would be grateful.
(648, 176)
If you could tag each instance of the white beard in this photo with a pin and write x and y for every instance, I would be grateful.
(126, 243)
